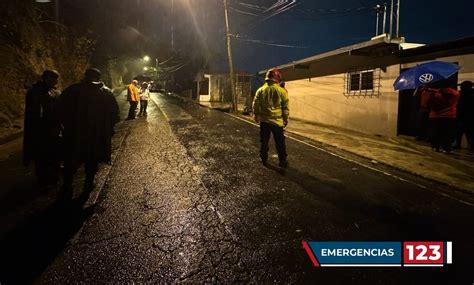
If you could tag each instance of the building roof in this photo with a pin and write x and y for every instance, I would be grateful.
(444, 49)
(200, 75)
(341, 60)
(377, 53)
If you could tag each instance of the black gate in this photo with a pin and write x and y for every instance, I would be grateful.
(408, 106)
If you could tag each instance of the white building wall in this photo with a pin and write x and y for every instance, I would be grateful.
(321, 100)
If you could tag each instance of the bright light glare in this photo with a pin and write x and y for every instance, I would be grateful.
(146, 58)
(145, 68)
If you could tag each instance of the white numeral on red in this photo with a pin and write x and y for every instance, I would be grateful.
(435, 254)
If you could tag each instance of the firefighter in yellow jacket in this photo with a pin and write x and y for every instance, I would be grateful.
(271, 110)
(132, 98)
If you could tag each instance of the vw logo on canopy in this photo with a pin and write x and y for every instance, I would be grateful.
(425, 73)
(426, 78)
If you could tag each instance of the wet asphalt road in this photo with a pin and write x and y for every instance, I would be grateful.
(187, 200)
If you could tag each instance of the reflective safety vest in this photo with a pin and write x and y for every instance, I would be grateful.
(271, 104)
(132, 93)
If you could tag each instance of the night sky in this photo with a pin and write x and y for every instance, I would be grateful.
(262, 38)
(315, 26)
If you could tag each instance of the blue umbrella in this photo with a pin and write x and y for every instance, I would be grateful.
(425, 73)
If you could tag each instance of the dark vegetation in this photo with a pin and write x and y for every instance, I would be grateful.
(30, 41)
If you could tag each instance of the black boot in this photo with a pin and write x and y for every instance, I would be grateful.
(283, 164)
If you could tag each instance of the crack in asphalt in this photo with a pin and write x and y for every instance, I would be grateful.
(154, 185)
(194, 205)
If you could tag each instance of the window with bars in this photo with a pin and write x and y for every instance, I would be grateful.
(362, 83)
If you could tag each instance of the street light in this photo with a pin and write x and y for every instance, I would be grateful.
(145, 68)
(146, 58)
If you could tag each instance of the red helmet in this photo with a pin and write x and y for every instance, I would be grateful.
(274, 75)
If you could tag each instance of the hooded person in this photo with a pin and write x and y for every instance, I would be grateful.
(89, 112)
(42, 129)
(271, 110)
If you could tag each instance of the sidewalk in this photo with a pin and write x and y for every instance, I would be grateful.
(403, 153)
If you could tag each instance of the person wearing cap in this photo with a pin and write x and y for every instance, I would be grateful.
(89, 112)
(42, 129)
(132, 98)
(271, 110)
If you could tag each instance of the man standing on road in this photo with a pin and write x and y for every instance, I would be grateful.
(42, 129)
(132, 98)
(89, 112)
(271, 110)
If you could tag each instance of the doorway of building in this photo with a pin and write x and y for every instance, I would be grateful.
(408, 107)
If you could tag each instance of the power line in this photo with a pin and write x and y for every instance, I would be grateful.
(280, 7)
(268, 43)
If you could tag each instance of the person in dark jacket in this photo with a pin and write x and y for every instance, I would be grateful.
(42, 129)
(89, 112)
(465, 115)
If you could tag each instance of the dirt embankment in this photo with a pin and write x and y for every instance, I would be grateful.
(31, 42)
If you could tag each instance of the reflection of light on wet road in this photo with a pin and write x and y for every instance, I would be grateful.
(170, 111)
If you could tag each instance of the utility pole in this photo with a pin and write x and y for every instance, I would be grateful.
(172, 40)
(391, 19)
(172, 25)
(229, 55)
(398, 19)
(384, 18)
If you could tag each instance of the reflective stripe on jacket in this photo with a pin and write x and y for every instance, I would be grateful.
(271, 104)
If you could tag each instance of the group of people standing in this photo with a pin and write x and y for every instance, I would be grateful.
(73, 127)
(135, 94)
(446, 115)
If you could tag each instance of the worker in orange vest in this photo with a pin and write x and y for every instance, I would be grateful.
(132, 98)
